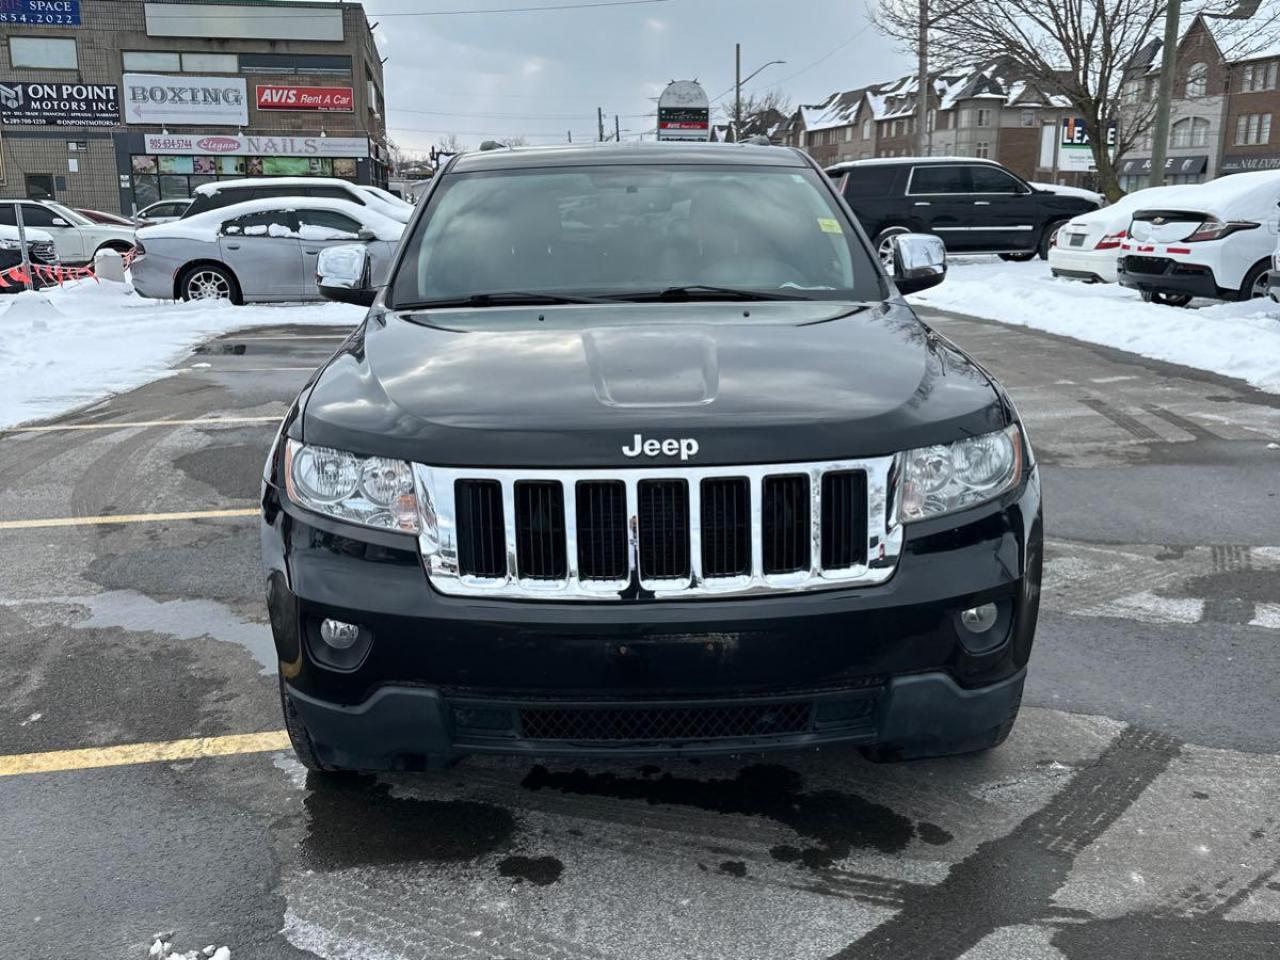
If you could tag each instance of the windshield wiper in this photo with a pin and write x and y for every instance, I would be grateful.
(699, 291)
(505, 298)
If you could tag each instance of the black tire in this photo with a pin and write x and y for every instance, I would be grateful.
(1166, 299)
(980, 743)
(209, 281)
(298, 735)
(1017, 257)
(881, 245)
(1255, 281)
(1046, 238)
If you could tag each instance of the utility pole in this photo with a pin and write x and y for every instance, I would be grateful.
(617, 130)
(1168, 63)
(923, 136)
(600, 123)
(737, 90)
(22, 246)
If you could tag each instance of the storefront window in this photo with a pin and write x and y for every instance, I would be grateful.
(176, 176)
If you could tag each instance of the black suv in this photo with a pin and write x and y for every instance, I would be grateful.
(975, 206)
(639, 451)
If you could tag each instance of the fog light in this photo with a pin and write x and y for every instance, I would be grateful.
(339, 635)
(979, 619)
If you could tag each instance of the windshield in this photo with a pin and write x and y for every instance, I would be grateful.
(631, 231)
(70, 215)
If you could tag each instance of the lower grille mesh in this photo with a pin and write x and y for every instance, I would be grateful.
(665, 723)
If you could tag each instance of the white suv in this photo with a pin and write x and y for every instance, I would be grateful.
(76, 238)
(1215, 240)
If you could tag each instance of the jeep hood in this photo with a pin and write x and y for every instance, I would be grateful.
(571, 386)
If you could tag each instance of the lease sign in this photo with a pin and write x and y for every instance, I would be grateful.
(330, 99)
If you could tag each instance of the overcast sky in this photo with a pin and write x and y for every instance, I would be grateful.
(540, 74)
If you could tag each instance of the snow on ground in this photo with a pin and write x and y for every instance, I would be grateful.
(1234, 339)
(65, 347)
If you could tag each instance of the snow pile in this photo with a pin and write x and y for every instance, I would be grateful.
(62, 348)
(163, 949)
(1233, 339)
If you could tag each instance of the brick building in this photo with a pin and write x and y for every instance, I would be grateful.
(976, 112)
(124, 102)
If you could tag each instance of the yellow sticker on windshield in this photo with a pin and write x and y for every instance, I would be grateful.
(829, 226)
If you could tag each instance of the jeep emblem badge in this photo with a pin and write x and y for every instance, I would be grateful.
(686, 447)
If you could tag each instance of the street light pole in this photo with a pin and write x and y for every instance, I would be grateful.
(1168, 62)
(738, 82)
(737, 90)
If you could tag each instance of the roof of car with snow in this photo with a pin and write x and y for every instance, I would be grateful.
(596, 154)
(204, 226)
(1251, 195)
(890, 161)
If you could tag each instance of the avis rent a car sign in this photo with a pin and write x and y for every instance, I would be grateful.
(328, 99)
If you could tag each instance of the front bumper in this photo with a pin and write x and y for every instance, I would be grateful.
(1164, 275)
(436, 676)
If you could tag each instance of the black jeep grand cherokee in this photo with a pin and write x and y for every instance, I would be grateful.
(639, 451)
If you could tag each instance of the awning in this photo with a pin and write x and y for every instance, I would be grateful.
(1181, 166)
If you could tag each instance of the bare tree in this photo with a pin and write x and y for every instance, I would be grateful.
(759, 109)
(1080, 49)
(450, 143)
(913, 24)
(516, 141)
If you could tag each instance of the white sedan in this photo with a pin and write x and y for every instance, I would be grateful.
(1087, 247)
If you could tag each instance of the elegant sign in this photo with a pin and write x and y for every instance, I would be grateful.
(327, 99)
(684, 112)
(41, 13)
(60, 104)
(187, 100)
(200, 144)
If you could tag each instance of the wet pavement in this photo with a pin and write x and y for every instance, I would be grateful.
(1132, 812)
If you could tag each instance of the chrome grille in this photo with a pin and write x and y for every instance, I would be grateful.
(665, 533)
(42, 251)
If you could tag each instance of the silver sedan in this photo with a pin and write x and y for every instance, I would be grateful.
(258, 251)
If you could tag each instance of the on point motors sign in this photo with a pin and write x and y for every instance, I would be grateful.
(684, 113)
(324, 99)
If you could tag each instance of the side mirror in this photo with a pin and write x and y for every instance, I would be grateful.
(342, 274)
(365, 235)
(59, 222)
(919, 261)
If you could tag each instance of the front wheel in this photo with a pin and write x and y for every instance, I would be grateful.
(1166, 299)
(208, 281)
(884, 246)
(1048, 237)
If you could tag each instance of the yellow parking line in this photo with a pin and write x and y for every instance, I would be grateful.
(121, 424)
(124, 754)
(125, 518)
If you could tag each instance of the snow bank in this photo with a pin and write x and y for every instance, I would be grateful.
(1234, 339)
(63, 348)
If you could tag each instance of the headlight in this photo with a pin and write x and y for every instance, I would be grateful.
(10, 245)
(949, 477)
(373, 491)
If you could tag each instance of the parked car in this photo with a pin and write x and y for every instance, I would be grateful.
(260, 250)
(223, 193)
(640, 451)
(1088, 246)
(1213, 240)
(162, 211)
(75, 238)
(40, 250)
(976, 206)
(110, 219)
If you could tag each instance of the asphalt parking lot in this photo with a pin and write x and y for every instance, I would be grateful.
(146, 785)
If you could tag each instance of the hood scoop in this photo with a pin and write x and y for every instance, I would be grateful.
(652, 368)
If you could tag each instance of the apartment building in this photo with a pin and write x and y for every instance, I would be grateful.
(116, 103)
